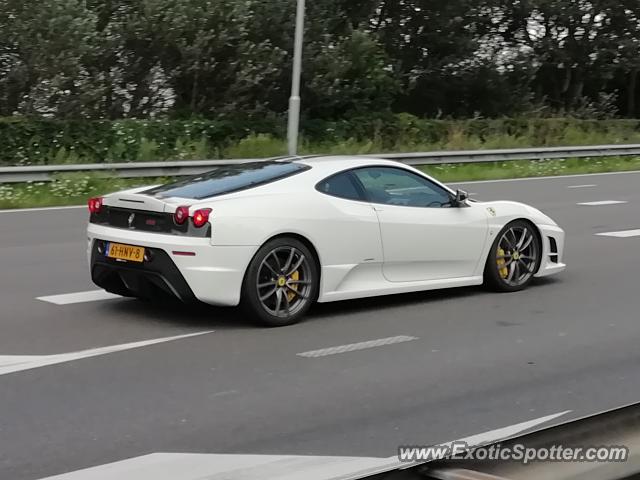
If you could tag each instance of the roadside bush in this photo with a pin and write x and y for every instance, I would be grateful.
(36, 142)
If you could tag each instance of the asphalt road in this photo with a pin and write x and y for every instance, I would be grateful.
(480, 361)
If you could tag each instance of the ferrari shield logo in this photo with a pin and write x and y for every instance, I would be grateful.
(492, 211)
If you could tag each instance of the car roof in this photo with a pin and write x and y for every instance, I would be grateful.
(324, 164)
(319, 168)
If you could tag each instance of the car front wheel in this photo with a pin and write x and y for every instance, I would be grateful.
(514, 257)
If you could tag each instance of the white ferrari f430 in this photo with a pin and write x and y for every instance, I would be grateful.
(276, 236)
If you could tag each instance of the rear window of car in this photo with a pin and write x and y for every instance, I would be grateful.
(341, 185)
(228, 179)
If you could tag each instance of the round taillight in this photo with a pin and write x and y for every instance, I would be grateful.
(95, 204)
(181, 215)
(201, 217)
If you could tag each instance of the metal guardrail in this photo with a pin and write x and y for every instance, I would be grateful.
(45, 173)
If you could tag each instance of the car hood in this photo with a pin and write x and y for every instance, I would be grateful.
(502, 208)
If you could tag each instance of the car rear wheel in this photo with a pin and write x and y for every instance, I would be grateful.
(514, 257)
(281, 283)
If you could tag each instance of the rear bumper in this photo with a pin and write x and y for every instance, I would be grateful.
(552, 251)
(157, 278)
(213, 275)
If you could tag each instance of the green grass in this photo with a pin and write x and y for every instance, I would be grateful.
(31, 141)
(530, 168)
(67, 189)
(256, 146)
(75, 189)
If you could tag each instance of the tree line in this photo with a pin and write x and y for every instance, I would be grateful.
(112, 59)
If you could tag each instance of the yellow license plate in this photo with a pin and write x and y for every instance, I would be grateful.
(125, 252)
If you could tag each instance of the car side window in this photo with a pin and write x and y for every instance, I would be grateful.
(396, 186)
(341, 185)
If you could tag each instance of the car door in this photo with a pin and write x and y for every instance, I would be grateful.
(425, 236)
(353, 229)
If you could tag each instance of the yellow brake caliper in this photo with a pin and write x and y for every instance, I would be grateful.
(504, 271)
(294, 276)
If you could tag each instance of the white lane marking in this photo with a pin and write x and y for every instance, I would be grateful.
(620, 234)
(602, 202)
(223, 394)
(79, 297)
(197, 466)
(352, 347)
(17, 363)
(41, 209)
(13, 360)
(583, 186)
(526, 179)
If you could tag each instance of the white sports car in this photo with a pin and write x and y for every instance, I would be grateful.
(278, 235)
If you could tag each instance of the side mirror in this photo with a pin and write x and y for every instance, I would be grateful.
(461, 197)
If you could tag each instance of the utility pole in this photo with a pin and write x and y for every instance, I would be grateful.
(294, 101)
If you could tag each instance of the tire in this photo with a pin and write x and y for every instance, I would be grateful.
(281, 283)
(514, 257)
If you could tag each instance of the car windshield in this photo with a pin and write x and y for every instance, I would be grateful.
(228, 179)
